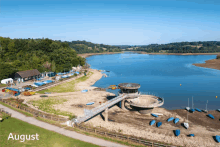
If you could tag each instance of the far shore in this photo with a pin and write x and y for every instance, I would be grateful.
(91, 54)
(176, 53)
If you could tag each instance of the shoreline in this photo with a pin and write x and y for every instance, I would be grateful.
(134, 123)
(176, 53)
(85, 55)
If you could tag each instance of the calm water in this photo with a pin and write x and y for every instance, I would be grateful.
(162, 76)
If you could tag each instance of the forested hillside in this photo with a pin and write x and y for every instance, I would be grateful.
(88, 47)
(181, 47)
(42, 54)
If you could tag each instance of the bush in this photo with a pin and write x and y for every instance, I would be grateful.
(71, 117)
(75, 74)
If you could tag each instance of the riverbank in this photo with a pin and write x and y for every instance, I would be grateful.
(134, 123)
(214, 64)
(91, 54)
(177, 53)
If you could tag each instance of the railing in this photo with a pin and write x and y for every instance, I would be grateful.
(121, 136)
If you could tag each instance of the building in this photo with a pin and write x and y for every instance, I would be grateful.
(22, 76)
(7, 81)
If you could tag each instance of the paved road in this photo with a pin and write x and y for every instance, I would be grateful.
(62, 131)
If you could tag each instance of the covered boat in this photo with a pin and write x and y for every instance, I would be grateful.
(217, 138)
(152, 122)
(177, 132)
(176, 120)
(191, 135)
(154, 115)
(198, 110)
(159, 124)
(211, 116)
(170, 119)
(91, 103)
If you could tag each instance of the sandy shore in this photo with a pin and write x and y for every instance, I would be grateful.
(214, 64)
(133, 123)
(91, 54)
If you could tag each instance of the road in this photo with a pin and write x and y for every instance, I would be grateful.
(72, 134)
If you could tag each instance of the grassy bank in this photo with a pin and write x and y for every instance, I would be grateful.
(3, 85)
(66, 87)
(47, 104)
(46, 138)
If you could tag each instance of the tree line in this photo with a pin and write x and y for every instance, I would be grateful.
(181, 47)
(42, 54)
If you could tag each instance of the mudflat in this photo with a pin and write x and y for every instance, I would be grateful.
(215, 64)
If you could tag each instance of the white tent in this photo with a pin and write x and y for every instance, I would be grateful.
(6, 81)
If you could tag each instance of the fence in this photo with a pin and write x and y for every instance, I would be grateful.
(36, 112)
(1, 110)
(123, 137)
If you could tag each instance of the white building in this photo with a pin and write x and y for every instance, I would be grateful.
(7, 81)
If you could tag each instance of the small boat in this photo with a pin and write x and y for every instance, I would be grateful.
(84, 90)
(217, 138)
(177, 132)
(218, 110)
(159, 114)
(186, 125)
(152, 122)
(170, 119)
(211, 116)
(159, 124)
(154, 115)
(205, 111)
(192, 110)
(188, 108)
(107, 71)
(191, 135)
(198, 110)
(176, 120)
(91, 103)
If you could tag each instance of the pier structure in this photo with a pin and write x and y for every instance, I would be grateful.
(128, 93)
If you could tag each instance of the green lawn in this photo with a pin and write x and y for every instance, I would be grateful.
(46, 138)
(3, 85)
(68, 86)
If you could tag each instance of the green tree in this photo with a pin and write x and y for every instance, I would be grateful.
(53, 68)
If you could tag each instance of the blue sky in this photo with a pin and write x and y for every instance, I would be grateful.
(113, 22)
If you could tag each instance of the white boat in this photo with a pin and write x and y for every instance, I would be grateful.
(158, 114)
(188, 108)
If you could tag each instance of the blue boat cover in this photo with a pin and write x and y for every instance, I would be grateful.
(91, 103)
(27, 88)
(198, 110)
(217, 138)
(159, 124)
(176, 120)
(170, 119)
(154, 115)
(152, 122)
(177, 132)
(192, 110)
(77, 72)
(211, 116)
(13, 89)
(84, 90)
(191, 135)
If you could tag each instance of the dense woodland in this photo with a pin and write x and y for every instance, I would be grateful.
(88, 47)
(180, 47)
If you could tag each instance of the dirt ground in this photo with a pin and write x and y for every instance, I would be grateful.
(215, 64)
(133, 123)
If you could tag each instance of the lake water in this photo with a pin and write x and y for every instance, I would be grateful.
(162, 76)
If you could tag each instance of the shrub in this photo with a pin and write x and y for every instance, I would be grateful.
(75, 74)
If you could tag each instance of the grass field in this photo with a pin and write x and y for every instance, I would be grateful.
(66, 87)
(46, 105)
(46, 138)
(3, 85)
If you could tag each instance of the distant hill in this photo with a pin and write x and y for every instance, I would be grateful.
(88, 47)
(180, 47)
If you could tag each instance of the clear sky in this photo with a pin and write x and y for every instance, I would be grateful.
(113, 22)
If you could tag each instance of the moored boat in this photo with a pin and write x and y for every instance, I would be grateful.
(211, 116)
(159, 114)
(191, 135)
(177, 132)
(217, 138)
(159, 124)
(152, 122)
(91, 103)
(154, 115)
(186, 125)
(176, 120)
(170, 119)
(192, 110)
(198, 110)
(218, 110)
